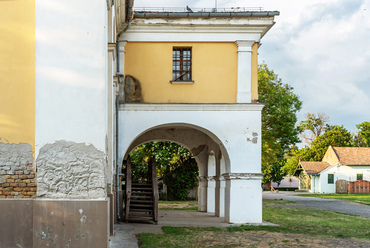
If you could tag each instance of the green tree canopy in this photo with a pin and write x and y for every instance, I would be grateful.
(362, 139)
(313, 126)
(176, 166)
(279, 119)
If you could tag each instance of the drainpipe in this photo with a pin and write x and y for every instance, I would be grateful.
(118, 172)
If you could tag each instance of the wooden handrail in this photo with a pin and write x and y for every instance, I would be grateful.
(128, 187)
(155, 189)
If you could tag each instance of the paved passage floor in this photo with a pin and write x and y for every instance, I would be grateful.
(125, 233)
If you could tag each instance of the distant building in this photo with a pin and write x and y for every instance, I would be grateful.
(339, 163)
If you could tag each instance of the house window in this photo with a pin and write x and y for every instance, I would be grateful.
(181, 64)
(330, 178)
(360, 176)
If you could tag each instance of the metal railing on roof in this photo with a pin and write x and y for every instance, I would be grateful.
(189, 9)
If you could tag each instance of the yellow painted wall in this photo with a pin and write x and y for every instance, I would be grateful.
(214, 71)
(17, 71)
(255, 71)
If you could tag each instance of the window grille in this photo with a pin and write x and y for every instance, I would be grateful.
(181, 67)
(360, 176)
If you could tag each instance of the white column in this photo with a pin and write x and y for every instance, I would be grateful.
(202, 194)
(211, 184)
(220, 196)
(122, 51)
(244, 94)
(243, 198)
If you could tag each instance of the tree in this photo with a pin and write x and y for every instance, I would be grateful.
(176, 166)
(362, 139)
(278, 121)
(313, 126)
(336, 136)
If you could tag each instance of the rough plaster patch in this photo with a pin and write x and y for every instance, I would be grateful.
(16, 157)
(70, 170)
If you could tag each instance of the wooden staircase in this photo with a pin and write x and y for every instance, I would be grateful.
(141, 199)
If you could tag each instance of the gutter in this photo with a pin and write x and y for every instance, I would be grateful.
(143, 14)
(118, 172)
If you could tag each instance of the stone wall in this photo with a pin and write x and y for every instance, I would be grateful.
(70, 170)
(17, 176)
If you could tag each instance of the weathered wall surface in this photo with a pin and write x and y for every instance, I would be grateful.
(17, 177)
(16, 223)
(70, 170)
(64, 223)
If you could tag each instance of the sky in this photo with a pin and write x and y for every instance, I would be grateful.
(320, 48)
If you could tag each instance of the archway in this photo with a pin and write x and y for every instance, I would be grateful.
(209, 153)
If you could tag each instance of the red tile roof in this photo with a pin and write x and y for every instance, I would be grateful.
(353, 155)
(312, 168)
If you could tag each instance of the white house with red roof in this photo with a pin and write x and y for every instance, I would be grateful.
(339, 163)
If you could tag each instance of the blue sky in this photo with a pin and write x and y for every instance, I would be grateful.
(321, 48)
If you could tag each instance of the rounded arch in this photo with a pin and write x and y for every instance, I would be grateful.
(199, 141)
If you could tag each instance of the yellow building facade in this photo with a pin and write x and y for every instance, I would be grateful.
(214, 72)
(17, 72)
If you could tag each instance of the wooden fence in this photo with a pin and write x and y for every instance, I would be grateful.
(359, 187)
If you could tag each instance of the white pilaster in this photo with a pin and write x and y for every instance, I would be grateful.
(211, 193)
(244, 94)
(243, 196)
(202, 194)
(220, 196)
(122, 51)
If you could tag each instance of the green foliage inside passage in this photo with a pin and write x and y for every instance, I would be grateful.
(279, 119)
(312, 222)
(359, 198)
(176, 167)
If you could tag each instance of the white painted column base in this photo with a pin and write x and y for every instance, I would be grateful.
(211, 193)
(243, 198)
(202, 194)
(220, 196)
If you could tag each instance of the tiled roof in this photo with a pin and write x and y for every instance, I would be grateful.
(312, 168)
(353, 155)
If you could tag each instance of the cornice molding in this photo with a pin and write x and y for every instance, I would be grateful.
(191, 107)
(243, 176)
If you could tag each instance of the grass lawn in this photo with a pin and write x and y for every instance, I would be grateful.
(178, 205)
(298, 221)
(359, 198)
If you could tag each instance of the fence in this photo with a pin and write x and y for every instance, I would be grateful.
(359, 187)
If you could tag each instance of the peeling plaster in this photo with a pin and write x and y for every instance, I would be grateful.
(67, 169)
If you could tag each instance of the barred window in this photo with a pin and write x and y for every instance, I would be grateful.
(181, 67)
(330, 178)
(360, 176)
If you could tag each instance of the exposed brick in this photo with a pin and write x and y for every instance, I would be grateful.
(14, 176)
(26, 189)
(15, 193)
(8, 189)
(1, 192)
(10, 180)
(26, 181)
(22, 185)
(32, 180)
(5, 185)
(6, 193)
(33, 189)
(23, 177)
(31, 184)
(2, 196)
(17, 189)
(26, 196)
(6, 176)
(31, 193)
(10, 196)
(14, 184)
(26, 172)
(33, 173)
(17, 180)
(19, 172)
(30, 176)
